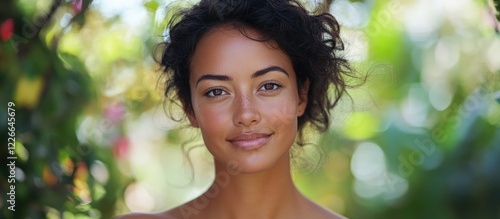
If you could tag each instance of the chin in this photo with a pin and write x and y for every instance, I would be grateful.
(250, 164)
(246, 168)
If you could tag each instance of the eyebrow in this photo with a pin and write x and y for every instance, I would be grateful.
(254, 75)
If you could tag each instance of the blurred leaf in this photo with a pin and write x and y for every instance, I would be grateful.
(28, 91)
(72, 61)
(361, 125)
(152, 5)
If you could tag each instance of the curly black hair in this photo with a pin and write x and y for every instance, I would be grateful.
(311, 41)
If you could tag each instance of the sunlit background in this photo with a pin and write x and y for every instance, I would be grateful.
(421, 139)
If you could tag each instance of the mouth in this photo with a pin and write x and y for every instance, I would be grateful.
(250, 141)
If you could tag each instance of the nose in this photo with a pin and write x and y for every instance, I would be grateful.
(246, 113)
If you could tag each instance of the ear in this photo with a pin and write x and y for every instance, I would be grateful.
(304, 90)
(192, 118)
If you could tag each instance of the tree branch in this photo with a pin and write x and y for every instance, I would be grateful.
(45, 19)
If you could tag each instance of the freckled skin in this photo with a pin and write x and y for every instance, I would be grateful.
(223, 109)
(243, 107)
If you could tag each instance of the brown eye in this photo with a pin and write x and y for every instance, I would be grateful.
(215, 93)
(270, 87)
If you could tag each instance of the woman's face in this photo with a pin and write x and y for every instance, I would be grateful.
(245, 99)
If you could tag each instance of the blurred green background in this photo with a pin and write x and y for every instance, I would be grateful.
(420, 140)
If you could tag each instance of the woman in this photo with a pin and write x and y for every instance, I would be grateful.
(251, 75)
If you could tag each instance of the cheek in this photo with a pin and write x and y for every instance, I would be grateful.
(211, 117)
(283, 115)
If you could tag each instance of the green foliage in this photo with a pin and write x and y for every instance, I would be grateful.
(422, 139)
(50, 91)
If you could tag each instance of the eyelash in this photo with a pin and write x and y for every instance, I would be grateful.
(276, 86)
(210, 92)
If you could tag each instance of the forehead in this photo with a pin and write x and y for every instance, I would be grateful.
(224, 49)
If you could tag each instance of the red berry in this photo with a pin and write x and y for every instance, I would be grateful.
(7, 29)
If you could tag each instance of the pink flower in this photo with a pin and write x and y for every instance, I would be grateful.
(76, 5)
(121, 146)
(115, 113)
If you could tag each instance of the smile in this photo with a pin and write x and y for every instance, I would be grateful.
(250, 141)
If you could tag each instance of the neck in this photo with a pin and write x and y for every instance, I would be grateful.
(266, 194)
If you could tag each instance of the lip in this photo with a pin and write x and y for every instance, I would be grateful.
(250, 141)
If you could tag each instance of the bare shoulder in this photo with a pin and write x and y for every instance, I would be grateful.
(185, 211)
(327, 214)
(164, 215)
(136, 216)
(317, 211)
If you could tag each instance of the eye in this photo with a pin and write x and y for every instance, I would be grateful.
(270, 86)
(215, 92)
